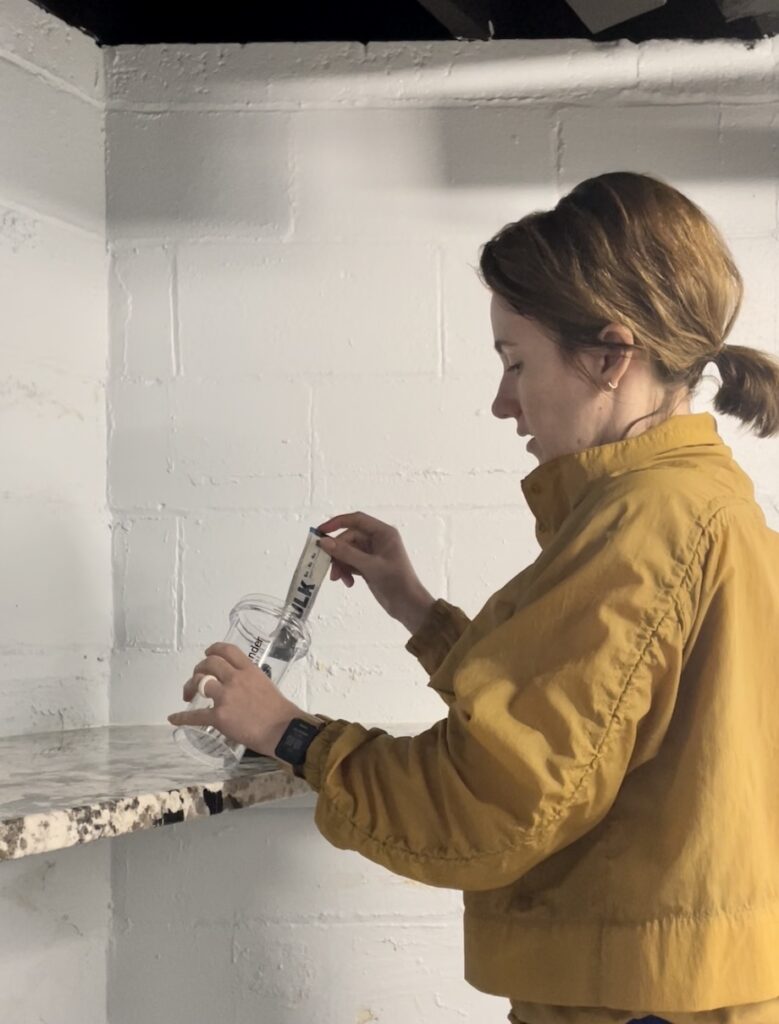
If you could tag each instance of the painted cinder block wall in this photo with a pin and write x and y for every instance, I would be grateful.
(55, 540)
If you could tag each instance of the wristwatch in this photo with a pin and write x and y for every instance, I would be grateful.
(294, 744)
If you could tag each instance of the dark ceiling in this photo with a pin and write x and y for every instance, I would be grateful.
(118, 22)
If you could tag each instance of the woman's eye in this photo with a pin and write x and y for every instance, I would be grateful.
(515, 366)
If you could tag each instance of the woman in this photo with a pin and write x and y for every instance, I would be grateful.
(603, 786)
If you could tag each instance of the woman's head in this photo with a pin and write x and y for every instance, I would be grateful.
(627, 282)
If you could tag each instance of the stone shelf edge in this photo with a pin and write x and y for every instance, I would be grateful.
(61, 789)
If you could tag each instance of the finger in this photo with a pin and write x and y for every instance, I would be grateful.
(211, 689)
(352, 557)
(368, 524)
(190, 687)
(232, 654)
(337, 569)
(347, 576)
(355, 539)
(213, 665)
(341, 570)
(203, 717)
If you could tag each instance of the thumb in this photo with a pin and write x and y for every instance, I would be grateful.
(345, 553)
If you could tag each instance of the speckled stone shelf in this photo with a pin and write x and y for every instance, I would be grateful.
(67, 788)
(61, 789)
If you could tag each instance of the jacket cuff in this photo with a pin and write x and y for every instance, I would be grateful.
(319, 748)
(444, 625)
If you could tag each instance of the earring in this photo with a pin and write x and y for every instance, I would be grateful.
(612, 386)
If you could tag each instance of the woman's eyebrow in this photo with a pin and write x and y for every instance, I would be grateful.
(500, 344)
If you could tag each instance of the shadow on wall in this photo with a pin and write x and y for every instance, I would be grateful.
(56, 917)
(295, 951)
(413, 172)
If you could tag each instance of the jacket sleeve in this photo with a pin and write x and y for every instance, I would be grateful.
(552, 708)
(443, 627)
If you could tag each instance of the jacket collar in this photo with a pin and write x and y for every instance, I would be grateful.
(553, 489)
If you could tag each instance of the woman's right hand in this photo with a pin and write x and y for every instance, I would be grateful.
(374, 550)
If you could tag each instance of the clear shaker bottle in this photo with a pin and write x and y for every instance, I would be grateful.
(273, 636)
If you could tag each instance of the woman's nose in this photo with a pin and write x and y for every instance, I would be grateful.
(502, 406)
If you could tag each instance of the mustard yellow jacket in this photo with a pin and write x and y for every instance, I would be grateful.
(604, 786)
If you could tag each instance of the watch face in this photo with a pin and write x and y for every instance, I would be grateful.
(295, 741)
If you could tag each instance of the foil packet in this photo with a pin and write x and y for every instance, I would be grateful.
(307, 579)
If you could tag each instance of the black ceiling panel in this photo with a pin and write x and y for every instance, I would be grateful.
(117, 22)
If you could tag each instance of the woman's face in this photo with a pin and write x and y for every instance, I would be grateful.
(549, 400)
(536, 388)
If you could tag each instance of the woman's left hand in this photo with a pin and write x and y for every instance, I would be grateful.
(248, 707)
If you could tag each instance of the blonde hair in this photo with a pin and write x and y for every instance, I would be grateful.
(628, 248)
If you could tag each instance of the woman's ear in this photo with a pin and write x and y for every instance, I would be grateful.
(616, 334)
(615, 362)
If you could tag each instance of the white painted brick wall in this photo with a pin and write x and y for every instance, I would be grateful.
(55, 541)
(241, 182)
(46, 119)
(704, 146)
(51, 50)
(55, 607)
(294, 309)
(292, 930)
(298, 330)
(141, 310)
(145, 557)
(55, 918)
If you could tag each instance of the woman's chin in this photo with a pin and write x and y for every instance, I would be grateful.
(533, 448)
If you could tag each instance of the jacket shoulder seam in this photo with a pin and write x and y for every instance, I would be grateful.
(699, 545)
